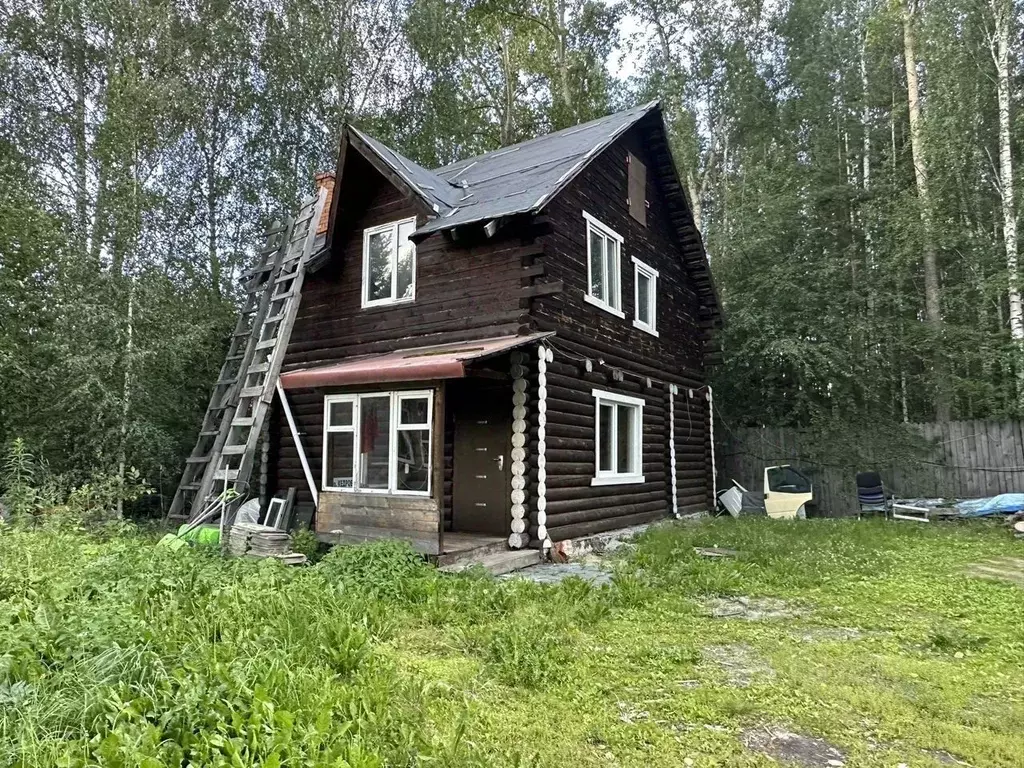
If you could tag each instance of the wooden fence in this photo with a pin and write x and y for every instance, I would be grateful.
(961, 459)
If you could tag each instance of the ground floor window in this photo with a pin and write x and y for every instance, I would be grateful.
(378, 442)
(619, 439)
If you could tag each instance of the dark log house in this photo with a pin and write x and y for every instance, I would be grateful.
(512, 347)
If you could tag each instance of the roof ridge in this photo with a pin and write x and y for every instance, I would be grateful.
(641, 108)
(481, 188)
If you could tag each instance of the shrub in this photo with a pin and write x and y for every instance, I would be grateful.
(33, 494)
(388, 569)
(305, 541)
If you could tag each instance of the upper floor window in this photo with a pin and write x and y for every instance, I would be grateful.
(619, 439)
(645, 297)
(604, 283)
(389, 263)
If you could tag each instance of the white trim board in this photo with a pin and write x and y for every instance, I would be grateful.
(640, 268)
(607, 237)
(604, 394)
(298, 444)
(606, 307)
(603, 227)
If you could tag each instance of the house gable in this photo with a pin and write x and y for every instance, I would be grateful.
(478, 196)
(601, 192)
(461, 293)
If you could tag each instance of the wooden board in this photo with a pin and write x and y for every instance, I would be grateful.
(351, 517)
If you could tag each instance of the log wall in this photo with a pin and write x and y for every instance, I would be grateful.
(601, 190)
(693, 451)
(573, 506)
(624, 359)
(462, 293)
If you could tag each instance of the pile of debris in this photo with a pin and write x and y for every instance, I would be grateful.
(255, 540)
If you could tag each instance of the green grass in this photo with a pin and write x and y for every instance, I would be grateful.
(116, 653)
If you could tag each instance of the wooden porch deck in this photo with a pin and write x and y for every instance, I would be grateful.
(461, 551)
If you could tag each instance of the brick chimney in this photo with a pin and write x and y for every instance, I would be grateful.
(325, 180)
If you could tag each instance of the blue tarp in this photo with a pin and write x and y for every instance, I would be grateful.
(1003, 504)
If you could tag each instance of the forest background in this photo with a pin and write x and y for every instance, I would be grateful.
(850, 163)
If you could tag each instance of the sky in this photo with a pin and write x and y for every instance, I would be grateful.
(621, 64)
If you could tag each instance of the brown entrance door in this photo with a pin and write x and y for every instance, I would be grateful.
(481, 477)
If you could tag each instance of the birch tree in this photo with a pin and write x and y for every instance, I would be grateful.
(1000, 43)
(929, 255)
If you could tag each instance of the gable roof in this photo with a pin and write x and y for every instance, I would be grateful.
(523, 178)
(435, 191)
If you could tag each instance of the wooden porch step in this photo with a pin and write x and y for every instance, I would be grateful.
(499, 562)
(457, 550)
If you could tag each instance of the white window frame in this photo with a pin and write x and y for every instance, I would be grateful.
(639, 268)
(392, 227)
(593, 225)
(394, 406)
(612, 476)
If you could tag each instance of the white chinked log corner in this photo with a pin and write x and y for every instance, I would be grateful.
(711, 439)
(520, 535)
(545, 355)
(673, 390)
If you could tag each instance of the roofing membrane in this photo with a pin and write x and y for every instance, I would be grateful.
(512, 180)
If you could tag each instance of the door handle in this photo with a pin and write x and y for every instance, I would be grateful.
(501, 461)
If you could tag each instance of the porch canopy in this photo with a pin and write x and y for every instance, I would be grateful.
(445, 361)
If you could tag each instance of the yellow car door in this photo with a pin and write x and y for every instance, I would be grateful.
(786, 491)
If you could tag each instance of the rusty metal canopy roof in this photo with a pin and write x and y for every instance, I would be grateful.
(445, 361)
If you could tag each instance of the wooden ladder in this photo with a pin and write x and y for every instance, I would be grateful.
(226, 449)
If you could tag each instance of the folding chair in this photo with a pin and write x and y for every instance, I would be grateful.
(871, 494)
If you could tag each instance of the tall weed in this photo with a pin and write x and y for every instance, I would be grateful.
(118, 653)
(388, 570)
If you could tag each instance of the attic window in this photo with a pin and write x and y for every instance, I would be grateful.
(637, 188)
(389, 263)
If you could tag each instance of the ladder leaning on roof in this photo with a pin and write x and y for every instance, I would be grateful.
(225, 451)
